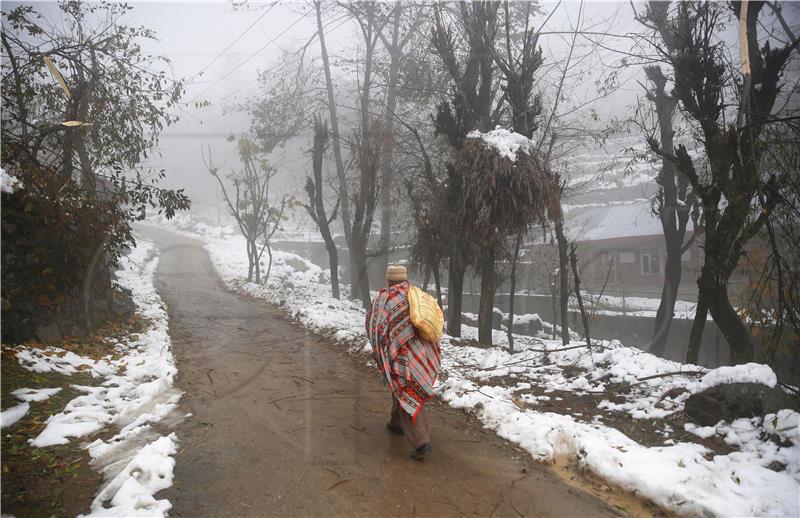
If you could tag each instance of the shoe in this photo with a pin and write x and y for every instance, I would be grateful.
(394, 429)
(421, 452)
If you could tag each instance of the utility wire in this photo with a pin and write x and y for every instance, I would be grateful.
(250, 83)
(226, 49)
(254, 54)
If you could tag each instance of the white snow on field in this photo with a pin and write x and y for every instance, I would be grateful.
(136, 392)
(13, 414)
(53, 359)
(26, 394)
(495, 385)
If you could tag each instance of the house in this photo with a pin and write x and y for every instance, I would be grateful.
(621, 246)
(624, 243)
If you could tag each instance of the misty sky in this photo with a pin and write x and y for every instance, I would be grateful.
(192, 34)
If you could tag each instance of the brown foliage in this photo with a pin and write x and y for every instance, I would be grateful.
(503, 198)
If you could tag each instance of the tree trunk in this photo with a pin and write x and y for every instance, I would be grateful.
(699, 324)
(513, 288)
(387, 175)
(573, 259)
(359, 282)
(269, 264)
(256, 262)
(563, 277)
(333, 262)
(455, 291)
(438, 282)
(316, 203)
(672, 215)
(337, 148)
(250, 264)
(486, 309)
(555, 314)
(666, 308)
(730, 324)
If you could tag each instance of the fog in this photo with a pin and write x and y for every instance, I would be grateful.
(210, 47)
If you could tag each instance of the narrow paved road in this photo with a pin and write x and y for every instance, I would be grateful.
(283, 424)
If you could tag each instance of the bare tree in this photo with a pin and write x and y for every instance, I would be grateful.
(316, 204)
(688, 35)
(402, 31)
(249, 203)
(673, 204)
(341, 175)
(366, 149)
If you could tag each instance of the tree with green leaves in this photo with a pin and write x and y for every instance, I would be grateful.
(83, 107)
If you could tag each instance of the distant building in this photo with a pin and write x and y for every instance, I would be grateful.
(624, 243)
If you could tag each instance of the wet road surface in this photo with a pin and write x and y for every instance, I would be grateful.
(283, 424)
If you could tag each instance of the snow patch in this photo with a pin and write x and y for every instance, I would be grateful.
(507, 143)
(8, 183)
(13, 414)
(27, 394)
(135, 393)
(745, 373)
(131, 492)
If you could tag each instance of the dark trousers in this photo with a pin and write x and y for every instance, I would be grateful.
(417, 433)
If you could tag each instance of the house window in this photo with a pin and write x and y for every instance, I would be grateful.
(651, 261)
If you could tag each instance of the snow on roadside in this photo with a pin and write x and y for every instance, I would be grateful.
(136, 392)
(684, 477)
(130, 493)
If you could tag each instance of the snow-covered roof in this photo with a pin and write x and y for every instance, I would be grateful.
(634, 219)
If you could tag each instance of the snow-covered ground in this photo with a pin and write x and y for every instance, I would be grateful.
(630, 306)
(522, 396)
(135, 392)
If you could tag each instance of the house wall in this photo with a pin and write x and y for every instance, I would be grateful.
(637, 265)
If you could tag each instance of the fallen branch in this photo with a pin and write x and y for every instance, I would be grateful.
(666, 374)
(567, 348)
(338, 484)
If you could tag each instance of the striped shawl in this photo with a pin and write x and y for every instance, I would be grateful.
(410, 363)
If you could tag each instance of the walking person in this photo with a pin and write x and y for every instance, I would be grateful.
(409, 362)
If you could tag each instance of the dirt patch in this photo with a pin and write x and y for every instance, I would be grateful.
(584, 408)
(627, 503)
